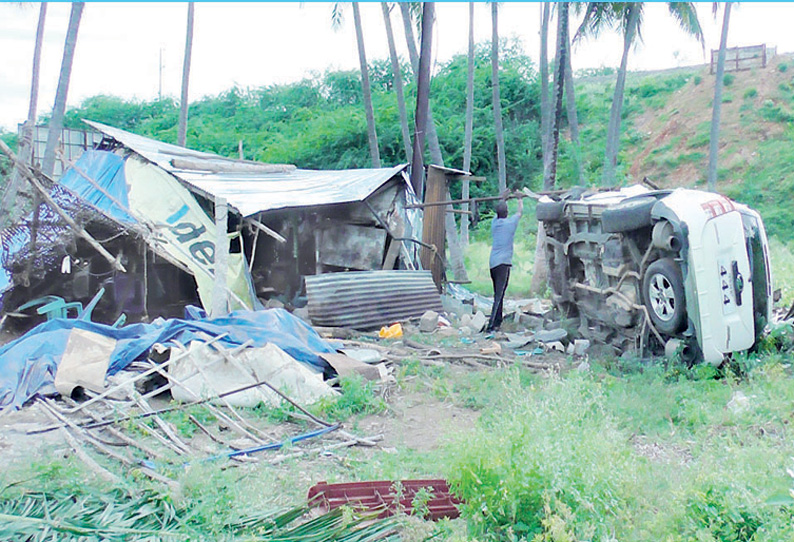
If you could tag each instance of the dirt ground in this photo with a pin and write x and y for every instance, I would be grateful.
(416, 419)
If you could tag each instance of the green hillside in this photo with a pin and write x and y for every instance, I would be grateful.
(319, 123)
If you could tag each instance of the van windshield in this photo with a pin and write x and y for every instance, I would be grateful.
(759, 270)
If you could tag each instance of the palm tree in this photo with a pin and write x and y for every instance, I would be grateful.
(26, 145)
(422, 97)
(451, 229)
(398, 80)
(715, 112)
(183, 109)
(497, 105)
(469, 130)
(540, 269)
(545, 109)
(56, 121)
(432, 135)
(570, 100)
(372, 134)
(559, 84)
(628, 15)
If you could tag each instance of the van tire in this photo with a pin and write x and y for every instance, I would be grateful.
(663, 296)
(629, 214)
(549, 211)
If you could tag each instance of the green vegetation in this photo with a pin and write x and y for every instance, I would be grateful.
(728, 79)
(36, 515)
(654, 454)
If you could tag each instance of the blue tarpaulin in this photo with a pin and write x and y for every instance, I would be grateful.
(30, 362)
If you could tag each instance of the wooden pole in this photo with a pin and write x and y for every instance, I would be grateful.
(220, 299)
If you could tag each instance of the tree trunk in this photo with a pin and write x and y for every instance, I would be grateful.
(56, 121)
(613, 132)
(559, 84)
(467, 138)
(573, 118)
(433, 144)
(372, 134)
(545, 103)
(451, 230)
(497, 105)
(715, 112)
(398, 81)
(8, 203)
(181, 137)
(422, 99)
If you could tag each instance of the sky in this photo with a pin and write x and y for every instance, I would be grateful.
(120, 44)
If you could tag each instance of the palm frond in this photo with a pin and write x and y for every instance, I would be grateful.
(120, 516)
(337, 15)
(686, 16)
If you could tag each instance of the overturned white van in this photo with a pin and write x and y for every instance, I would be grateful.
(645, 271)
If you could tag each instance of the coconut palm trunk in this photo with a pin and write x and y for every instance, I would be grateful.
(450, 227)
(398, 81)
(545, 102)
(8, 203)
(432, 135)
(422, 97)
(372, 135)
(613, 131)
(540, 268)
(497, 105)
(559, 84)
(570, 106)
(469, 130)
(717, 105)
(181, 137)
(56, 121)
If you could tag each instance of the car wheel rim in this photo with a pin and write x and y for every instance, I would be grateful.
(662, 296)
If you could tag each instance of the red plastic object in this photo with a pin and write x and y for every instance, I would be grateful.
(383, 496)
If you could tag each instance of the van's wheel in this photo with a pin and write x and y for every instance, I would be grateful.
(663, 295)
(629, 214)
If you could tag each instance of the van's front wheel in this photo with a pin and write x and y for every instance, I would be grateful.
(663, 295)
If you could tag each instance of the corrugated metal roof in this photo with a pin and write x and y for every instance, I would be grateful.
(251, 193)
(370, 299)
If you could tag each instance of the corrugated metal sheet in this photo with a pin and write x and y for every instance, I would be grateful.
(370, 299)
(251, 193)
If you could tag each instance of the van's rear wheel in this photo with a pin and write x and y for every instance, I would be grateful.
(663, 295)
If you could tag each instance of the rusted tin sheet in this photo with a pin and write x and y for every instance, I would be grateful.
(387, 497)
(370, 299)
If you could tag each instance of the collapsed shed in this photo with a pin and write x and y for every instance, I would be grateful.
(151, 203)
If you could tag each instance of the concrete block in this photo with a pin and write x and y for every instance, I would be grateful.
(478, 321)
(580, 347)
(551, 335)
(428, 322)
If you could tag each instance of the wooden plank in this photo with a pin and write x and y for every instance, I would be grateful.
(433, 233)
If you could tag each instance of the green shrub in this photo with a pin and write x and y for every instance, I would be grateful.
(697, 80)
(750, 93)
(550, 459)
(773, 112)
(358, 397)
(728, 79)
(727, 98)
(782, 67)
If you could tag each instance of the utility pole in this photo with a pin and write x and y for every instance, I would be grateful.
(160, 85)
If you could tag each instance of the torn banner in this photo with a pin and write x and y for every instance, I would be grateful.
(141, 192)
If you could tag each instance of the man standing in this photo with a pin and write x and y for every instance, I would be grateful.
(503, 231)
